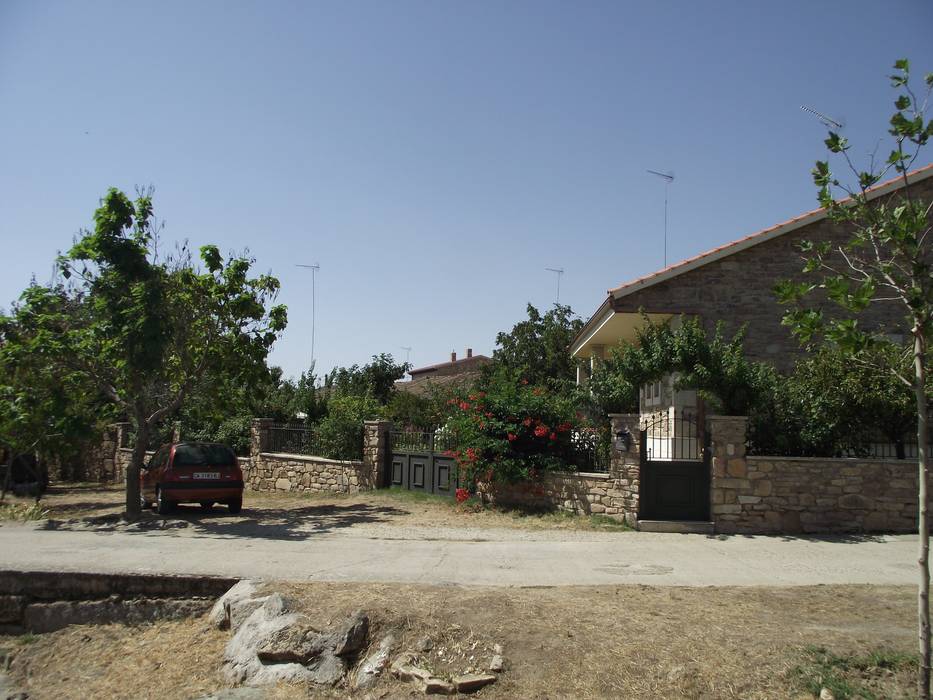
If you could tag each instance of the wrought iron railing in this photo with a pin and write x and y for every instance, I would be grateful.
(672, 438)
(416, 441)
(301, 439)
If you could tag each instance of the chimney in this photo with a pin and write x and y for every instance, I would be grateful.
(469, 352)
(453, 356)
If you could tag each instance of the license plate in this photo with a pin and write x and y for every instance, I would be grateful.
(206, 475)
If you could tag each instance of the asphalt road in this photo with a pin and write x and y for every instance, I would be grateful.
(466, 557)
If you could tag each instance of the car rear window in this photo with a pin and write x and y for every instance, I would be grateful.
(201, 455)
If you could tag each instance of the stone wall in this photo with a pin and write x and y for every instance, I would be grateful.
(614, 494)
(269, 471)
(791, 495)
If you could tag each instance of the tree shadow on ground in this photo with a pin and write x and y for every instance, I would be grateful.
(838, 538)
(273, 523)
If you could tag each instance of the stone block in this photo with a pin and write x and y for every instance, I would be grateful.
(748, 500)
(736, 467)
(763, 487)
(283, 484)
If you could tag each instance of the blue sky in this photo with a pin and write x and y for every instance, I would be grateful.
(433, 157)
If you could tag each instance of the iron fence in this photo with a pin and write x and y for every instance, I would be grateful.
(302, 439)
(672, 438)
(421, 441)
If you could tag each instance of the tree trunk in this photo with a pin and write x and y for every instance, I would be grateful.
(923, 597)
(133, 506)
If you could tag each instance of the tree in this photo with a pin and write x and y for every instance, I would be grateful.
(713, 365)
(539, 347)
(376, 378)
(148, 332)
(885, 259)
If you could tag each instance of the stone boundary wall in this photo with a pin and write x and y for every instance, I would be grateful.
(614, 494)
(271, 471)
(794, 495)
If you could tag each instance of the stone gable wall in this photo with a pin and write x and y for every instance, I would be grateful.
(739, 289)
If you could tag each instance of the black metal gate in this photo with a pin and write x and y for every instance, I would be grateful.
(675, 470)
(421, 462)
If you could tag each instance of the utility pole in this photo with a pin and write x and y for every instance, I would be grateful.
(314, 268)
(668, 179)
(560, 272)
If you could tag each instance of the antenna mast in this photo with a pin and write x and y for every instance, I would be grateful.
(668, 179)
(407, 350)
(314, 268)
(823, 118)
(560, 272)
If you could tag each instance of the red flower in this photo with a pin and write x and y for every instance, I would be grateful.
(513, 437)
(524, 381)
(464, 405)
(541, 431)
(472, 397)
(471, 454)
(448, 453)
(527, 422)
(553, 436)
(563, 427)
(489, 414)
(462, 495)
(482, 426)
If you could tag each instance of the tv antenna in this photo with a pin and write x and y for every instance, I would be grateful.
(829, 123)
(668, 179)
(560, 272)
(314, 268)
(407, 350)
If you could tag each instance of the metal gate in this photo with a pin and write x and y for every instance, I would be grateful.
(421, 462)
(675, 471)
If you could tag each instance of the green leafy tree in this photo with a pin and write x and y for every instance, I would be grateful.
(538, 348)
(376, 378)
(148, 332)
(884, 260)
(712, 364)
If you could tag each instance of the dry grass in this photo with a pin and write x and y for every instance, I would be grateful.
(594, 642)
(400, 508)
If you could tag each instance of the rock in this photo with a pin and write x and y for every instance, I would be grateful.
(469, 682)
(424, 644)
(497, 649)
(497, 664)
(241, 662)
(375, 663)
(236, 694)
(827, 694)
(297, 643)
(438, 686)
(11, 609)
(404, 668)
(328, 668)
(245, 591)
(351, 636)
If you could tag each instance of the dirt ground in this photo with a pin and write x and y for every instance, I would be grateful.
(389, 507)
(599, 642)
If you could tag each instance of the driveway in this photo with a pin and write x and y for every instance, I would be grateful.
(370, 542)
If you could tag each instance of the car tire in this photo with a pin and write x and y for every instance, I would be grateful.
(163, 505)
(143, 502)
(235, 505)
(207, 506)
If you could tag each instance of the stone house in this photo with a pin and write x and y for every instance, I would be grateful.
(734, 284)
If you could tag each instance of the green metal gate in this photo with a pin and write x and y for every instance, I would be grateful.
(421, 462)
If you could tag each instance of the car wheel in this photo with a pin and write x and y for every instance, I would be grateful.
(163, 505)
(207, 506)
(235, 505)
(143, 502)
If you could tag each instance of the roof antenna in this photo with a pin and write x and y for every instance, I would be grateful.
(314, 268)
(407, 350)
(829, 123)
(560, 272)
(668, 179)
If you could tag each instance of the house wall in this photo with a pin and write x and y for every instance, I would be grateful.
(738, 289)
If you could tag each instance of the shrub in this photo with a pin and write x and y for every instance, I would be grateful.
(340, 433)
(510, 430)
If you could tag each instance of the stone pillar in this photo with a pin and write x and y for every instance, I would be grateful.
(122, 441)
(258, 436)
(375, 453)
(729, 470)
(625, 464)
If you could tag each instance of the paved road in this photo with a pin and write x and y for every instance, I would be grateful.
(467, 557)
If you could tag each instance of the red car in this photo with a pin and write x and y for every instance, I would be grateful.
(192, 472)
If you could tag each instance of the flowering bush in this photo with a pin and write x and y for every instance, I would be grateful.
(462, 495)
(510, 431)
